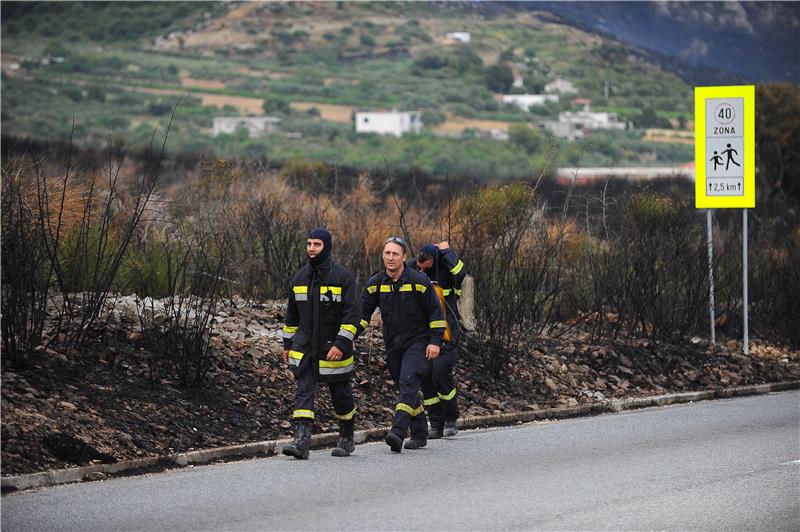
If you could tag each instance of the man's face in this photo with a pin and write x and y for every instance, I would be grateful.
(426, 264)
(314, 247)
(393, 256)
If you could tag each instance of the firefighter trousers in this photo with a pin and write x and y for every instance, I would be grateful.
(439, 393)
(344, 405)
(410, 369)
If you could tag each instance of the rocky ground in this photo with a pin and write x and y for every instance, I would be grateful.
(112, 401)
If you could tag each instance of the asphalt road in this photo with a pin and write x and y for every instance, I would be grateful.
(720, 465)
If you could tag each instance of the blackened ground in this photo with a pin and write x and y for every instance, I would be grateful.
(104, 404)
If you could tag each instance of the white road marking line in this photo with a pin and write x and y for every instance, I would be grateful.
(792, 462)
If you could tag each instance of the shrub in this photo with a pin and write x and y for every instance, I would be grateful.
(305, 174)
(26, 275)
(159, 108)
(276, 106)
(73, 93)
(653, 274)
(529, 139)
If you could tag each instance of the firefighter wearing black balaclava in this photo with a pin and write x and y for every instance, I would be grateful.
(321, 322)
(446, 271)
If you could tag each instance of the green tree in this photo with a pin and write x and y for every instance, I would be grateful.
(499, 77)
(649, 118)
(531, 140)
(276, 106)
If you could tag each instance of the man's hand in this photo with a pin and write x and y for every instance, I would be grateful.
(444, 244)
(335, 354)
(285, 356)
(432, 351)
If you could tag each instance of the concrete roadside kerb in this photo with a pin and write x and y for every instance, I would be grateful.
(319, 441)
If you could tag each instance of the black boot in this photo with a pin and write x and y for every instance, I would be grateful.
(302, 440)
(437, 430)
(346, 442)
(450, 429)
(395, 442)
(416, 443)
(419, 433)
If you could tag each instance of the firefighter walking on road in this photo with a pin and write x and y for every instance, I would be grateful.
(446, 271)
(413, 326)
(321, 322)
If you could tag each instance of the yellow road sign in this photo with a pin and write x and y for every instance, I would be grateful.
(724, 150)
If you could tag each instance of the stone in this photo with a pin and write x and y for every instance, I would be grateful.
(493, 403)
(550, 385)
(694, 375)
(624, 369)
(625, 361)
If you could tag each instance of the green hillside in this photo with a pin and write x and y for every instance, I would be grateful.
(120, 67)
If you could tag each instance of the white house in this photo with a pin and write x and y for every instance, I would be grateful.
(389, 122)
(525, 101)
(461, 36)
(257, 126)
(560, 85)
(573, 125)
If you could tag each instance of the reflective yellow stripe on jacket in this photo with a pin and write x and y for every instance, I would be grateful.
(348, 331)
(295, 357)
(330, 293)
(335, 367)
(300, 293)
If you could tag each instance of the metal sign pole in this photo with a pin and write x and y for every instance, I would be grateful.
(725, 170)
(711, 277)
(744, 280)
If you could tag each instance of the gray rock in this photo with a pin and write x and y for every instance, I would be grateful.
(493, 403)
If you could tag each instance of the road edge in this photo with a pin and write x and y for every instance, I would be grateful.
(319, 441)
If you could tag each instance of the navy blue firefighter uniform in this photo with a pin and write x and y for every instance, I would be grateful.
(412, 319)
(448, 272)
(322, 311)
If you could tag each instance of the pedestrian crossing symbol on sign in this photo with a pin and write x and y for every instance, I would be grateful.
(725, 147)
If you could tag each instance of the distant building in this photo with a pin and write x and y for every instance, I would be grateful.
(389, 122)
(461, 36)
(492, 134)
(256, 126)
(525, 101)
(574, 125)
(560, 85)
(634, 173)
(586, 103)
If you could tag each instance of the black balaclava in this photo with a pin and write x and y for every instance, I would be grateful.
(324, 257)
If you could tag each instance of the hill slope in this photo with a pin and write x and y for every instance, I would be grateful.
(312, 65)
